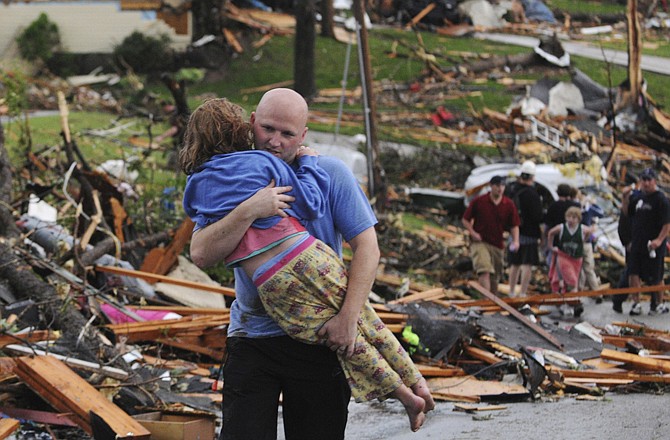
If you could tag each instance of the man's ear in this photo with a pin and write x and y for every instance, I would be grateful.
(304, 135)
(252, 118)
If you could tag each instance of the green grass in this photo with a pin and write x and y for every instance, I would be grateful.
(586, 7)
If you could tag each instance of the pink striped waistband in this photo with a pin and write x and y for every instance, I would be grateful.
(283, 261)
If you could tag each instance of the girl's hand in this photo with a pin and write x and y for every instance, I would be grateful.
(305, 151)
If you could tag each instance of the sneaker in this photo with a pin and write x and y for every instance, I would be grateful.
(617, 307)
(659, 309)
(636, 309)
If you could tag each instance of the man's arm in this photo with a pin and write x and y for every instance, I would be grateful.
(514, 246)
(341, 330)
(470, 226)
(210, 245)
(658, 241)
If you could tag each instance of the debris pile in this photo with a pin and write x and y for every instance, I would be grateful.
(115, 333)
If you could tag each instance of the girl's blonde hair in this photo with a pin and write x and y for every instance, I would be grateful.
(573, 210)
(216, 127)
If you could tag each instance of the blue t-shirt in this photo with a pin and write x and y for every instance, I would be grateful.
(348, 209)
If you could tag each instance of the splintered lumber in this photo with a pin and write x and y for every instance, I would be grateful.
(67, 392)
(435, 371)
(161, 260)
(151, 330)
(186, 310)
(33, 336)
(469, 389)
(482, 355)
(153, 278)
(547, 298)
(518, 315)
(639, 362)
(600, 377)
(115, 373)
(38, 416)
(7, 427)
(648, 342)
(418, 17)
(426, 295)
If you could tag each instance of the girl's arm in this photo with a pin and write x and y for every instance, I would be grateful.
(310, 186)
(552, 232)
(212, 244)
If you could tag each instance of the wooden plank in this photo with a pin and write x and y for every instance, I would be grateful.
(152, 330)
(434, 371)
(115, 373)
(426, 295)
(482, 355)
(67, 392)
(471, 389)
(545, 297)
(161, 260)
(8, 427)
(648, 342)
(153, 278)
(639, 362)
(38, 416)
(518, 315)
(417, 18)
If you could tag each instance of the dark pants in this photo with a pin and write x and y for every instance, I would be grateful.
(315, 394)
(623, 282)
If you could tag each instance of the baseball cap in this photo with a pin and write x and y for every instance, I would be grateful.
(528, 167)
(497, 180)
(648, 174)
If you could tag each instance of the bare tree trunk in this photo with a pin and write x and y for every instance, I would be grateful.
(327, 19)
(634, 52)
(305, 40)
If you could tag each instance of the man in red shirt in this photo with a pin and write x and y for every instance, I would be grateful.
(487, 218)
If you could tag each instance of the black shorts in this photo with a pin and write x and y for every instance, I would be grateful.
(650, 270)
(314, 390)
(527, 254)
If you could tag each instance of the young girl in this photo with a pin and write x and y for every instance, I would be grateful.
(300, 280)
(566, 262)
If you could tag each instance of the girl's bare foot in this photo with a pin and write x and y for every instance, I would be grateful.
(415, 410)
(421, 389)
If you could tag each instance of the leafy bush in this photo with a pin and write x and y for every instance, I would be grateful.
(39, 40)
(144, 53)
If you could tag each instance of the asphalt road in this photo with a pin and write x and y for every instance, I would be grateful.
(649, 63)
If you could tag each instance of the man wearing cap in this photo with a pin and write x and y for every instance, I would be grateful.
(487, 218)
(649, 214)
(529, 205)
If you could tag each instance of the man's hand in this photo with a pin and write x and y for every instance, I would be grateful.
(269, 201)
(476, 236)
(340, 335)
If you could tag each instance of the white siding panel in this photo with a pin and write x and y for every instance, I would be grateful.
(84, 27)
